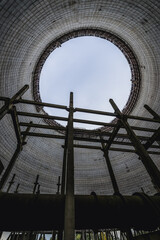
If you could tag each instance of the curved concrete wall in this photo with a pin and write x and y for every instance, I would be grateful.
(26, 29)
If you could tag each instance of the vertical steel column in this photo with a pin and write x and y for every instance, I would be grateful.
(154, 114)
(64, 166)
(8, 104)
(69, 218)
(35, 184)
(140, 149)
(63, 183)
(110, 169)
(111, 173)
(12, 161)
(11, 182)
(58, 185)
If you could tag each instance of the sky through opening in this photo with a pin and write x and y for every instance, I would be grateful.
(94, 69)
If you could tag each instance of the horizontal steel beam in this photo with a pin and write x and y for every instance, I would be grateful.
(124, 136)
(36, 115)
(4, 99)
(84, 110)
(42, 126)
(27, 212)
(64, 129)
(82, 130)
(45, 135)
(41, 104)
(113, 149)
(95, 112)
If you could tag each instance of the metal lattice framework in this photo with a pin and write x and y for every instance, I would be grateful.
(69, 135)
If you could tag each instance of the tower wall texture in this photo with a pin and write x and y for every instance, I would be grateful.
(26, 29)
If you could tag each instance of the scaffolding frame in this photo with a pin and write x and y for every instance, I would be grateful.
(70, 134)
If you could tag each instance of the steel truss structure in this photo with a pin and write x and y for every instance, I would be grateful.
(71, 210)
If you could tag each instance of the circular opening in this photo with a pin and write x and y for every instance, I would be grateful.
(94, 69)
(95, 66)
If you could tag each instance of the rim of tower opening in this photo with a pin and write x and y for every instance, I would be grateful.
(121, 44)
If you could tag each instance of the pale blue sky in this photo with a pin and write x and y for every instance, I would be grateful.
(94, 69)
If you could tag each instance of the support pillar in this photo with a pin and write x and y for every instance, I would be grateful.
(69, 218)
(111, 173)
(35, 184)
(64, 166)
(58, 185)
(140, 149)
(11, 182)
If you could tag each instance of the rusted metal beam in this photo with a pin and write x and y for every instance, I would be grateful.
(105, 148)
(152, 139)
(124, 136)
(152, 112)
(11, 182)
(110, 169)
(24, 101)
(156, 116)
(112, 136)
(94, 112)
(58, 185)
(61, 128)
(142, 118)
(8, 104)
(87, 146)
(93, 122)
(45, 135)
(43, 104)
(63, 186)
(69, 215)
(36, 115)
(4, 99)
(112, 149)
(140, 149)
(16, 124)
(115, 115)
(36, 184)
(82, 130)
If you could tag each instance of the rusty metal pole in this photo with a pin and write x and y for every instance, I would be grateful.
(63, 183)
(110, 169)
(11, 182)
(111, 173)
(58, 185)
(64, 167)
(140, 149)
(35, 184)
(69, 218)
